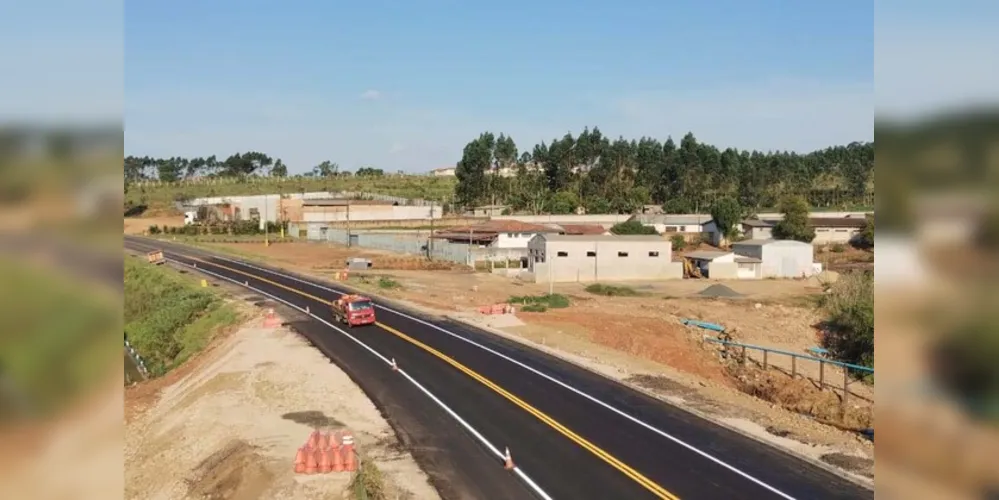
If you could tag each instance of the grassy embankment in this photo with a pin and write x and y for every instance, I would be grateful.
(168, 317)
(160, 197)
(57, 340)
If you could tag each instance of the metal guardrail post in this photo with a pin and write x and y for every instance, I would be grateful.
(846, 387)
(794, 367)
(822, 374)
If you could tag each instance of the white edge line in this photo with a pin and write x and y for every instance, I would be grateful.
(635, 420)
(520, 473)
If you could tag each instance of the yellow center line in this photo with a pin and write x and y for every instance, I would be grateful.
(631, 473)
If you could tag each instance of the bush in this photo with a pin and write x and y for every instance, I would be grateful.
(837, 248)
(865, 239)
(534, 308)
(387, 283)
(679, 242)
(850, 318)
(611, 291)
(154, 229)
(965, 360)
(632, 227)
(550, 301)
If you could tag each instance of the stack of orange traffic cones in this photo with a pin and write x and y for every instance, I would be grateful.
(326, 452)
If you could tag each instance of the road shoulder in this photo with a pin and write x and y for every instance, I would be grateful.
(228, 423)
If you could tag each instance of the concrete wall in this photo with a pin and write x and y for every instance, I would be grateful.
(723, 270)
(591, 261)
(828, 235)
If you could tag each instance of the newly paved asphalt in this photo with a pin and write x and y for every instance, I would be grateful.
(616, 457)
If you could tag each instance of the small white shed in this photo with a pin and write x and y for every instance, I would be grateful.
(779, 258)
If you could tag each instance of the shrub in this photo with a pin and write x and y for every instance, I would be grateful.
(679, 242)
(552, 301)
(850, 318)
(632, 227)
(154, 229)
(387, 283)
(611, 291)
(837, 248)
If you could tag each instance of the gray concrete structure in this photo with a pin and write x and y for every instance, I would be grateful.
(590, 258)
(779, 258)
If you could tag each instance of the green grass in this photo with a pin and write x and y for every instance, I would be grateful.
(368, 482)
(388, 283)
(612, 291)
(540, 303)
(56, 339)
(161, 196)
(168, 318)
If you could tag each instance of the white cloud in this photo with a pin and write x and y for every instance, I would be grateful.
(371, 95)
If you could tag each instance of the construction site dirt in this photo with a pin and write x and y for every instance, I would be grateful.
(230, 422)
(641, 335)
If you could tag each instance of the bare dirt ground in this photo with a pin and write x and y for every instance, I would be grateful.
(228, 424)
(137, 225)
(640, 340)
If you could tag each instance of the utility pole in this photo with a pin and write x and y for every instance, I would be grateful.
(266, 219)
(348, 222)
(470, 261)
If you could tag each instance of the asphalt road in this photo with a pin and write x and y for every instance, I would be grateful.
(576, 434)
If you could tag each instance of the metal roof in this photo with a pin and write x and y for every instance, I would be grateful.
(602, 237)
(705, 254)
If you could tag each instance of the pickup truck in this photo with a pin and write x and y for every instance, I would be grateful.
(354, 310)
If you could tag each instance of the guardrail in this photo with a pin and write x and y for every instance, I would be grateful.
(847, 367)
(140, 364)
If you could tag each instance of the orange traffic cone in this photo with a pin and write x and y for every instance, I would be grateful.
(507, 460)
(324, 441)
(271, 320)
(334, 439)
(313, 440)
(337, 458)
(347, 451)
(300, 461)
(325, 460)
(311, 465)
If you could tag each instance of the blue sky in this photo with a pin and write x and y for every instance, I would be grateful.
(404, 85)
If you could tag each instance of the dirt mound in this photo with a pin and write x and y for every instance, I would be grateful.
(234, 471)
(719, 290)
(802, 396)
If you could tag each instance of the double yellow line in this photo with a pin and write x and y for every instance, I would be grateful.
(631, 473)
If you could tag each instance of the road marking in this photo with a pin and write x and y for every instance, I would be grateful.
(517, 470)
(562, 384)
(631, 473)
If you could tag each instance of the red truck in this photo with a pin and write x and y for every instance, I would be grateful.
(354, 310)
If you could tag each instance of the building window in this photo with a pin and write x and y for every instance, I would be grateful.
(622, 254)
(653, 254)
(563, 254)
(683, 229)
(821, 230)
(591, 254)
(509, 235)
(842, 230)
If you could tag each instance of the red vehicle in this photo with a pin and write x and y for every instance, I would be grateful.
(354, 310)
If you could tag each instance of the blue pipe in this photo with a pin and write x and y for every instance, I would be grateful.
(704, 324)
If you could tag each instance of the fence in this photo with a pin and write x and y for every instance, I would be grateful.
(764, 361)
(412, 242)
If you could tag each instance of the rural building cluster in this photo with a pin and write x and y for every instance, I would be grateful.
(542, 248)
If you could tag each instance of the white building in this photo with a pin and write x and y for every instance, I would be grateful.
(590, 258)
(674, 223)
(779, 258)
(443, 172)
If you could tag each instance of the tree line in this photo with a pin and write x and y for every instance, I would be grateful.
(251, 163)
(602, 175)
